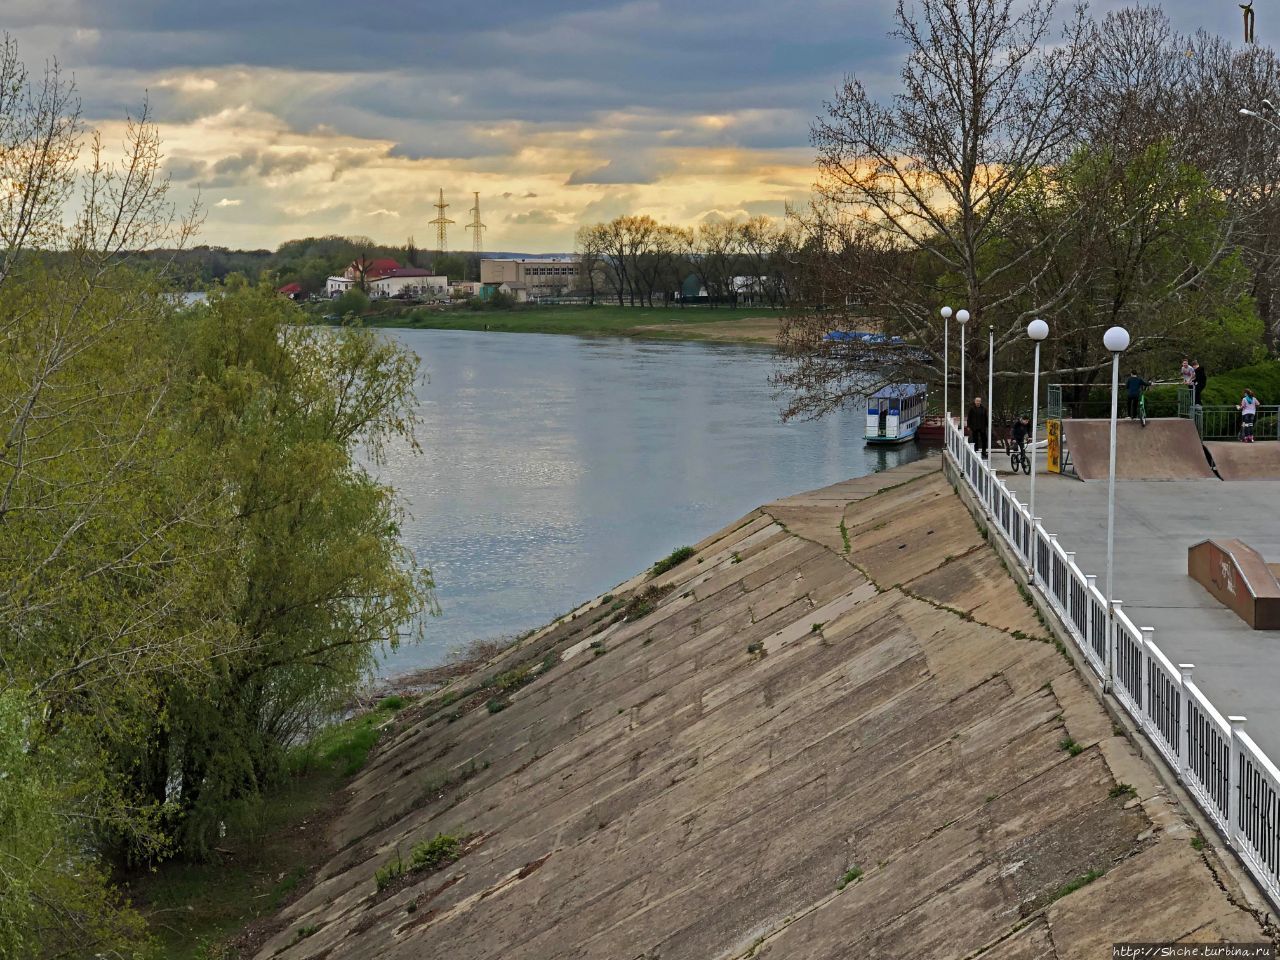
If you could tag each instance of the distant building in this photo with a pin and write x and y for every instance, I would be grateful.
(386, 278)
(548, 277)
(467, 289)
(291, 290)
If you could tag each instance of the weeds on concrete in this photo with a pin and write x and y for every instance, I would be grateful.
(598, 648)
(844, 535)
(305, 931)
(439, 851)
(852, 875)
(676, 557)
(757, 649)
(1068, 745)
(817, 627)
(734, 558)
(1069, 888)
(498, 704)
(1197, 842)
(1122, 790)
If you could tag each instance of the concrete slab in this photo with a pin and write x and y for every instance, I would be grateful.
(1156, 523)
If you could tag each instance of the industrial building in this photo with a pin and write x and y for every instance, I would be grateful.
(549, 277)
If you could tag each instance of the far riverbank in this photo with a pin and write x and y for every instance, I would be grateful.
(742, 325)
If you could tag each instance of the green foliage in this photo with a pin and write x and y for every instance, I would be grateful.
(1228, 387)
(56, 900)
(673, 559)
(1122, 790)
(1071, 887)
(1068, 745)
(850, 876)
(439, 851)
(352, 303)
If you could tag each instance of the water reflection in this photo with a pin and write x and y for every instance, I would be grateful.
(555, 467)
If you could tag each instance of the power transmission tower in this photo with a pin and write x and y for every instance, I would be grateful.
(441, 223)
(476, 226)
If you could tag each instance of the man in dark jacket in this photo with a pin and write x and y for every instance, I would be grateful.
(1133, 387)
(1201, 379)
(976, 421)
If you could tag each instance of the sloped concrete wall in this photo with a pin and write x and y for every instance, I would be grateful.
(844, 684)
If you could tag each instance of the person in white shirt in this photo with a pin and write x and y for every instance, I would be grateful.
(1248, 407)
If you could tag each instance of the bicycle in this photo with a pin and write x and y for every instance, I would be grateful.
(1018, 459)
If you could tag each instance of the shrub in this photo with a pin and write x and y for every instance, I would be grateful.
(673, 559)
(354, 302)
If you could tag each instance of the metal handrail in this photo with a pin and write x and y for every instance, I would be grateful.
(1226, 774)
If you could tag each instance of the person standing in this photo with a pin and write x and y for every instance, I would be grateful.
(976, 421)
(1188, 373)
(1202, 378)
(1133, 388)
(1248, 407)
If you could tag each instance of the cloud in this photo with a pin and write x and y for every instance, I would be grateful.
(383, 212)
(638, 168)
(227, 202)
(540, 217)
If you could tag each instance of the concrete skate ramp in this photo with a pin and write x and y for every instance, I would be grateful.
(1167, 449)
(1245, 461)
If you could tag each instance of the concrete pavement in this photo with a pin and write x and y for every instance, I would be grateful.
(1156, 523)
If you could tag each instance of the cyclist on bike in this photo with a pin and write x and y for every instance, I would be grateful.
(1134, 387)
(1021, 431)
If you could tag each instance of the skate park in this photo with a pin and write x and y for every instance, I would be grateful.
(1169, 498)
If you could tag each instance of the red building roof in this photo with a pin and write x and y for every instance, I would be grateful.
(289, 289)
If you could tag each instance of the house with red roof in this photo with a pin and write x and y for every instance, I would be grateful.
(291, 290)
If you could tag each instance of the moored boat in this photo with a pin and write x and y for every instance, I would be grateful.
(895, 413)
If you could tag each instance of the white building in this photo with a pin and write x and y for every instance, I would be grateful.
(386, 278)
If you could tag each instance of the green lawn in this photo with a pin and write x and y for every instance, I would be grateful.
(600, 320)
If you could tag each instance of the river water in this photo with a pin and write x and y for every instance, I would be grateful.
(555, 467)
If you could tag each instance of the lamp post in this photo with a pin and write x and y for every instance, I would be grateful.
(946, 369)
(963, 317)
(991, 384)
(1267, 108)
(1116, 340)
(1037, 330)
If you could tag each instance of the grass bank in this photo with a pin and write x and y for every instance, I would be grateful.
(744, 325)
(218, 910)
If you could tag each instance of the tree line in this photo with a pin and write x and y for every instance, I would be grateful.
(638, 261)
(1090, 172)
(195, 571)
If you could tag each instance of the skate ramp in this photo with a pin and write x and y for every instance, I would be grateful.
(1165, 449)
(1245, 461)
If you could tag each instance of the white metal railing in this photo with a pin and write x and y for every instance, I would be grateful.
(1230, 778)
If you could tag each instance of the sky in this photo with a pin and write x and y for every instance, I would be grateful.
(295, 118)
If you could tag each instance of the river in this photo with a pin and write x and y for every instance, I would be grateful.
(555, 467)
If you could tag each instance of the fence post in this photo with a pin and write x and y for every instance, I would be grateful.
(1037, 576)
(1144, 674)
(1108, 684)
(1184, 722)
(1235, 789)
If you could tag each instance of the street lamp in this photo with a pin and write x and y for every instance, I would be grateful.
(1267, 108)
(1116, 340)
(946, 370)
(963, 317)
(991, 383)
(1037, 330)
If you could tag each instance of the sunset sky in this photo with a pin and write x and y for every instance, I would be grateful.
(301, 117)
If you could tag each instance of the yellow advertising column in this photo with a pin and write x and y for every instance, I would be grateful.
(1054, 430)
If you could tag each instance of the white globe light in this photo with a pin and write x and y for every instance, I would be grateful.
(946, 313)
(1037, 329)
(963, 316)
(1116, 339)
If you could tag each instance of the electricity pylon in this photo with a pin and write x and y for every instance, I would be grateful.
(441, 223)
(475, 226)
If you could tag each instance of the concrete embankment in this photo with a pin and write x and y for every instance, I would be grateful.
(837, 731)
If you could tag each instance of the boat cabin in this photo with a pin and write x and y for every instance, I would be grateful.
(894, 413)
